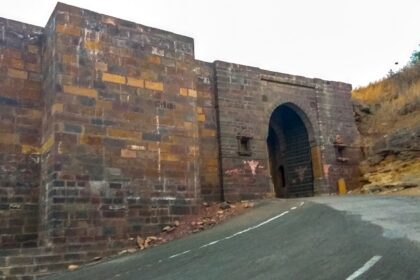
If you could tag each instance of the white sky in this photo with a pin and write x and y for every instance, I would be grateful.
(354, 41)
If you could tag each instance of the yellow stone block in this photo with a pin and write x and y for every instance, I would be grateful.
(102, 66)
(199, 110)
(48, 144)
(122, 133)
(342, 188)
(92, 45)
(192, 92)
(89, 92)
(68, 29)
(183, 91)
(317, 168)
(28, 149)
(133, 82)
(57, 108)
(158, 86)
(18, 74)
(170, 157)
(201, 117)
(113, 78)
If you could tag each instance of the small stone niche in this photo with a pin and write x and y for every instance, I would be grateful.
(244, 142)
(340, 147)
(244, 146)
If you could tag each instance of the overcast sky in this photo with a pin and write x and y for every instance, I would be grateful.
(355, 41)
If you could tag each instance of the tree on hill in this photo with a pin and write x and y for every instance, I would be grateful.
(415, 57)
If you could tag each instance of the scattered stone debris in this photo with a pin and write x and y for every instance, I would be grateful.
(72, 267)
(224, 205)
(387, 188)
(140, 242)
(96, 259)
(129, 251)
(209, 214)
(247, 204)
(168, 229)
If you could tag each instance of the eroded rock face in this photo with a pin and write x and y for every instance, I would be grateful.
(389, 123)
(394, 162)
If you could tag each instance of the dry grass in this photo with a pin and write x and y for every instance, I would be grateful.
(394, 101)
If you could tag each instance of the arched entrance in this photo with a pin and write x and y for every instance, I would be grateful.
(290, 152)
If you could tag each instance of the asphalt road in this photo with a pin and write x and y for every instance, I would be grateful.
(314, 238)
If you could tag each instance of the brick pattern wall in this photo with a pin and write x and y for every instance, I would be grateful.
(241, 111)
(247, 97)
(207, 129)
(20, 123)
(336, 118)
(110, 129)
(126, 148)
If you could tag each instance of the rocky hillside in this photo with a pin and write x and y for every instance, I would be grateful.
(388, 117)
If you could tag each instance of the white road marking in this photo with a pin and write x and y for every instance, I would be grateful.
(293, 208)
(301, 204)
(209, 244)
(245, 230)
(364, 268)
(235, 234)
(180, 254)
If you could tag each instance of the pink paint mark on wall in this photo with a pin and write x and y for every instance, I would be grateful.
(300, 171)
(326, 169)
(234, 171)
(253, 164)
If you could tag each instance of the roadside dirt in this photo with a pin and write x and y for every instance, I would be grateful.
(208, 215)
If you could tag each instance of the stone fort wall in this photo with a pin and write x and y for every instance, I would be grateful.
(110, 129)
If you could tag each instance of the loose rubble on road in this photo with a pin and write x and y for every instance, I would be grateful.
(209, 214)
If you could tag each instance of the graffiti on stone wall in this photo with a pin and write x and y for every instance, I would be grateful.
(252, 165)
(300, 171)
(326, 169)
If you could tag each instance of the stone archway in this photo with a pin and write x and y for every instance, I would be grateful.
(289, 146)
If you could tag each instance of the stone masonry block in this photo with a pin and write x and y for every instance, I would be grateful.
(82, 91)
(113, 78)
(154, 85)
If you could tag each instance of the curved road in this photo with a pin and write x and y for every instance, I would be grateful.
(354, 237)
